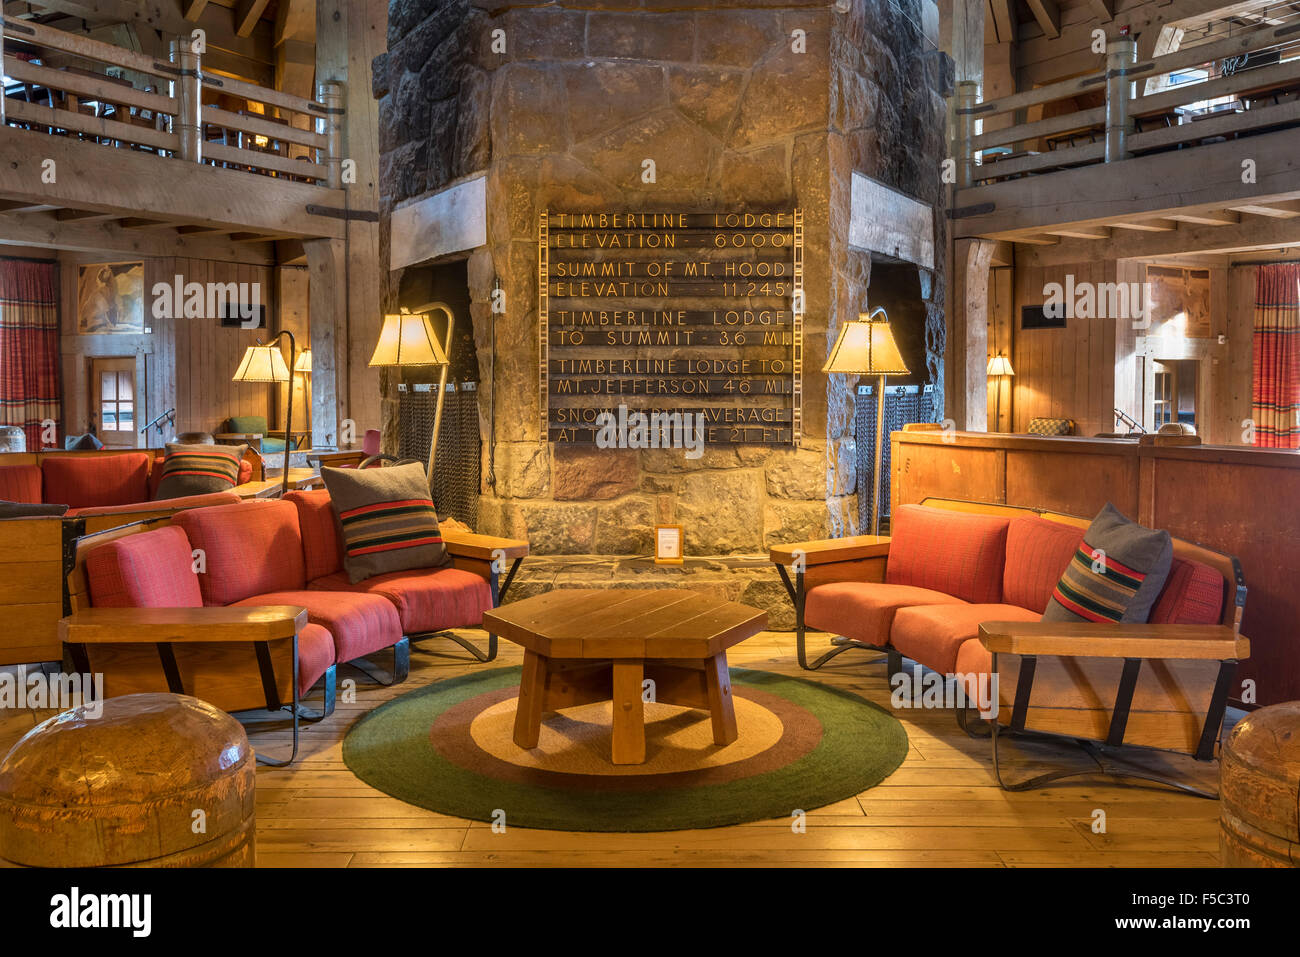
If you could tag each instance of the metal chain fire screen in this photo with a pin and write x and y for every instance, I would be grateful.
(903, 404)
(456, 471)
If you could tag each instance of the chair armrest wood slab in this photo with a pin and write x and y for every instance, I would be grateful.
(831, 550)
(470, 545)
(144, 625)
(1088, 640)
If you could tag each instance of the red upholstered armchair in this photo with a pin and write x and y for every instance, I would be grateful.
(960, 588)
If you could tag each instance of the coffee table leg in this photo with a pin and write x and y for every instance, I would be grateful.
(532, 691)
(629, 713)
(718, 680)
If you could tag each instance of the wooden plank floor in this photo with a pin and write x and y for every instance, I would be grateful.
(942, 807)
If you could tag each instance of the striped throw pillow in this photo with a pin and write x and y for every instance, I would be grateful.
(1116, 574)
(386, 518)
(199, 469)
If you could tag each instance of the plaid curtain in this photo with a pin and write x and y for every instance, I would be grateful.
(29, 346)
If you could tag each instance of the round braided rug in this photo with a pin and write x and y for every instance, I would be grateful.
(447, 747)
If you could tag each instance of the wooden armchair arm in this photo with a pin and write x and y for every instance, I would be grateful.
(1089, 640)
(826, 550)
(482, 547)
(151, 625)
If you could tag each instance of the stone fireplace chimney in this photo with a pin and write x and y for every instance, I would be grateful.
(493, 112)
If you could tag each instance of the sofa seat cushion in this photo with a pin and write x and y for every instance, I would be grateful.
(1037, 552)
(359, 624)
(1193, 595)
(428, 599)
(865, 610)
(95, 478)
(248, 549)
(322, 548)
(973, 659)
(21, 483)
(933, 634)
(315, 655)
(189, 501)
(146, 570)
(956, 553)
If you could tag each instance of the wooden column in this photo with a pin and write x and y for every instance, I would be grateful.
(348, 36)
(966, 353)
(188, 91)
(326, 297)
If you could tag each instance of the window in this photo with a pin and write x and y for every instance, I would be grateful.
(117, 402)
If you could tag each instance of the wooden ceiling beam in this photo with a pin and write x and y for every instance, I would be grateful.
(247, 15)
(1287, 210)
(47, 232)
(1207, 217)
(143, 185)
(1081, 232)
(1004, 20)
(194, 9)
(1147, 225)
(1048, 15)
(165, 16)
(1187, 241)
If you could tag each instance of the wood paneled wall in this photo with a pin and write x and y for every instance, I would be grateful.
(185, 364)
(1064, 373)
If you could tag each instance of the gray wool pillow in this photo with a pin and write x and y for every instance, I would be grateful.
(386, 519)
(1116, 575)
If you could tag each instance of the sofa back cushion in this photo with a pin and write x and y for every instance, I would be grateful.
(20, 483)
(95, 478)
(1037, 552)
(248, 549)
(953, 552)
(248, 424)
(1193, 595)
(321, 545)
(149, 570)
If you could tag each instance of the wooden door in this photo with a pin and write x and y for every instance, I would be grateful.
(115, 402)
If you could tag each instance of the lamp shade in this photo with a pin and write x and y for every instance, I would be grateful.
(262, 364)
(1000, 365)
(865, 347)
(304, 362)
(408, 340)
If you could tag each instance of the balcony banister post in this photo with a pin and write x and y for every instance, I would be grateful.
(330, 94)
(1121, 55)
(187, 88)
(964, 102)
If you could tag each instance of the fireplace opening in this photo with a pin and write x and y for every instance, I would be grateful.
(439, 289)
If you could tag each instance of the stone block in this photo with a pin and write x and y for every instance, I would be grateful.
(737, 38)
(684, 155)
(722, 512)
(553, 528)
(524, 97)
(765, 108)
(601, 97)
(797, 473)
(626, 526)
(641, 36)
(759, 176)
(707, 96)
(542, 34)
(582, 474)
(523, 469)
(785, 522)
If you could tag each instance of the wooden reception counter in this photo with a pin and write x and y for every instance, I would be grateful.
(1234, 499)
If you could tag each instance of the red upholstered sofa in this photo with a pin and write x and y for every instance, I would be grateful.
(271, 559)
(956, 583)
(97, 483)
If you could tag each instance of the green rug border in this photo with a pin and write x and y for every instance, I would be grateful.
(832, 771)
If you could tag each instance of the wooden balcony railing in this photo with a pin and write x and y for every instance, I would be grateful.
(1131, 123)
(161, 108)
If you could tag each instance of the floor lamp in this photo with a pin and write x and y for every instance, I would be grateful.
(999, 367)
(264, 362)
(407, 339)
(867, 347)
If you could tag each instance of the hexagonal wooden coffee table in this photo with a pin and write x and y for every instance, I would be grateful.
(586, 645)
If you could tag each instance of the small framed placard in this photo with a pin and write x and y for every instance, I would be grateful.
(668, 545)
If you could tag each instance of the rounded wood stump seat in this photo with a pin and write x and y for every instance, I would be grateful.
(155, 780)
(1259, 790)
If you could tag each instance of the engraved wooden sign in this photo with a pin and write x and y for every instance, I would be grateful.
(671, 315)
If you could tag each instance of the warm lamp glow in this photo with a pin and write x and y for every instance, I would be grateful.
(408, 340)
(1000, 365)
(262, 364)
(304, 362)
(866, 347)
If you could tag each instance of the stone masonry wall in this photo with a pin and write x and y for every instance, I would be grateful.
(740, 112)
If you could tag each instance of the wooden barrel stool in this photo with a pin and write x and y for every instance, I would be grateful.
(1259, 790)
(156, 780)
